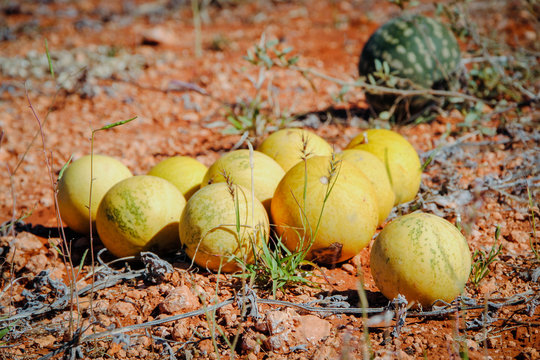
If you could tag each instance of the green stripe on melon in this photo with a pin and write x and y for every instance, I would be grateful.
(416, 48)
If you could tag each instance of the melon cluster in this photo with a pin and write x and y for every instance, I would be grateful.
(419, 50)
(325, 204)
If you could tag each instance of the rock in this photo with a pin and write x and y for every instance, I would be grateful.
(135, 294)
(327, 352)
(381, 320)
(45, 341)
(27, 242)
(492, 343)
(20, 247)
(159, 36)
(123, 309)
(400, 354)
(277, 343)
(279, 325)
(287, 330)
(349, 268)
(206, 347)
(162, 331)
(37, 263)
(251, 343)
(519, 236)
(278, 321)
(179, 300)
(529, 353)
(488, 286)
(180, 331)
(104, 320)
(314, 328)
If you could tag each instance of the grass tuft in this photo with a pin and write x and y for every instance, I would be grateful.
(482, 260)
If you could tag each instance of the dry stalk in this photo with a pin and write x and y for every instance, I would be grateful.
(66, 257)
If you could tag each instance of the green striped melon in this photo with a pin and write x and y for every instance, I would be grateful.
(416, 48)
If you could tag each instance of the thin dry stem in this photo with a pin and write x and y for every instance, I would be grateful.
(67, 259)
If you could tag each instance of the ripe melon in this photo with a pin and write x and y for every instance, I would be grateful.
(140, 213)
(375, 171)
(399, 157)
(236, 165)
(74, 189)
(421, 256)
(330, 211)
(220, 225)
(183, 172)
(286, 146)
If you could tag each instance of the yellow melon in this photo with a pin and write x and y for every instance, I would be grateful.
(375, 171)
(236, 166)
(221, 227)
(421, 256)
(183, 172)
(74, 189)
(288, 146)
(140, 213)
(398, 155)
(330, 211)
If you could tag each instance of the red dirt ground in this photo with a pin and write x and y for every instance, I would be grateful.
(479, 180)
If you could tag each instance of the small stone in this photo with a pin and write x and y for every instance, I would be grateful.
(179, 300)
(314, 328)
(37, 263)
(26, 242)
(278, 321)
(159, 36)
(114, 350)
(488, 287)
(349, 268)
(135, 294)
(472, 345)
(206, 347)
(519, 236)
(162, 331)
(326, 352)
(180, 331)
(46, 341)
(529, 353)
(400, 354)
(250, 344)
(104, 320)
(275, 343)
(519, 216)
(123, 309)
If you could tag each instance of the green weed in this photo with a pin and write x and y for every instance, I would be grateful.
(275, 266)
(482, 260)
(261, 113)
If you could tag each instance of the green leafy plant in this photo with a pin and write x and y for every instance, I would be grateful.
(276, 267)
(474, 119)
(257, 115)
(482, 260)
(500, 74)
